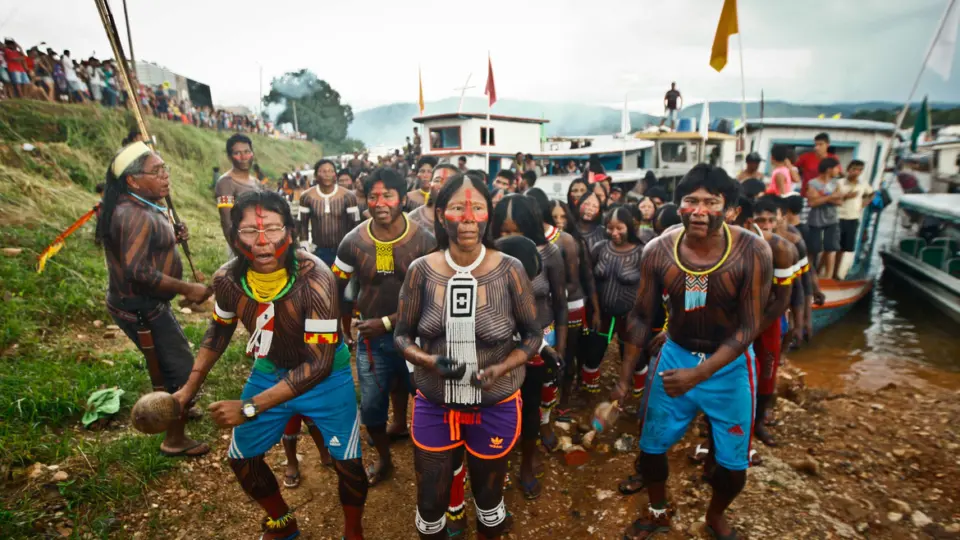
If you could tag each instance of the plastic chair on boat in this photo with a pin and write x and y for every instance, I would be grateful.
(935, 256)
(912, 246)
(953, 267)
(952, 246)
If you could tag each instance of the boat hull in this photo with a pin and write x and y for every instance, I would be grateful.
(923, 282)
(841, 296)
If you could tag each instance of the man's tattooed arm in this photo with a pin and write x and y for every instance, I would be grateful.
(344, 266)
(219, 331)
(756, 266)
(640, 318)
(135, 230)
(409, 309)
(525, 314)
(317, 302)
(558, 298)
(797, 298)
(225, 200)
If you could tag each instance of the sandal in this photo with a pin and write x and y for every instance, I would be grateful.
(646, 527)
(633, 484)
(551, 443)
(713, 534)
(754, 459)
(532, 490)
(291, 481)
(700, 454)
(188, 451)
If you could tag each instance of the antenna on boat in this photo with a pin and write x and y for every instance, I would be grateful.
(463, 90)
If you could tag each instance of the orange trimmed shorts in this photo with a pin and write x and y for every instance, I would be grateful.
(487, 432)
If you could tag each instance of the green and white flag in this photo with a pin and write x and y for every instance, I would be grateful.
(920, 125)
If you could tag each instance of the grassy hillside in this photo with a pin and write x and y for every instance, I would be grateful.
(52, 354)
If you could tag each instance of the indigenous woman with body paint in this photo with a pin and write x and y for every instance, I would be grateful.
(617, 271)
(287, 301)
(590, 219)
(465, 303)
(578, 188)
(581, 316)
(516, 215)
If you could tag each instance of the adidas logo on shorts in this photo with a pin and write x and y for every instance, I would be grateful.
(334, 441)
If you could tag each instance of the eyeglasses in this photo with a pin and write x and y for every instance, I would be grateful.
(272, 234)
(158, 170)
(242, 153)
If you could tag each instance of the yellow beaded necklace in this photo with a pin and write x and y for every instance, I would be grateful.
(695, 294)
(385, 249)
(265, 287)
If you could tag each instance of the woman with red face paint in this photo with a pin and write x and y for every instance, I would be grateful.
(517, 215)
(578, 188)
(465, 303)
(287, 301)
(590, 219)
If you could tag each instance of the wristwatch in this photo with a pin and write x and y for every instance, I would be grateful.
(249, 409)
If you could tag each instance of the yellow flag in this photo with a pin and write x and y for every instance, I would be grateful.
(725, 28)
(836, 116)
(821, 116)
(420, 76)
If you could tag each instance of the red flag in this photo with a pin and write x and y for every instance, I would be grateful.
(491, 89)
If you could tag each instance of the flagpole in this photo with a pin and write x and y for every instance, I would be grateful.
(916, 84)
(743, 86)
(623, 153)
(487, 164)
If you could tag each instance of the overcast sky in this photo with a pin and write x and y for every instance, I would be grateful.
(594, 51)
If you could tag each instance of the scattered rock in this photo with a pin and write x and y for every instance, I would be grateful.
(894, 517)
(952, 528)
(862, 526)
(565, 426)
(808, 466)
(98, 323)
(876, 406)
(920, 520)
(12, 252)
(186, 311)
(112, 327)
(626, 443)
(696, 529)
(36, 470)
(60, 476)
(65, 532)
(110, 335)
(899, 452)
(900, 506)
(604, 494)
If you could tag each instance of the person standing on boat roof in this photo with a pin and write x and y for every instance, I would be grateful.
(718, 279)
(672, 102)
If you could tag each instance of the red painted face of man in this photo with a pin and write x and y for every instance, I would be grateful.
(701, 212)
(384, 204)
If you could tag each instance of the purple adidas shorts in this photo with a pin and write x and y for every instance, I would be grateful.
(487, 432)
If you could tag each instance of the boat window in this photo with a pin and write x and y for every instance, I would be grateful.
(673, 152)
(483, 136)
(445, 138)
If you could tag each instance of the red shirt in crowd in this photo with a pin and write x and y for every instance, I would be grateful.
(14, 59)
(809, 165)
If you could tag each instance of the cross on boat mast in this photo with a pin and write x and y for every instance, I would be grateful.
(463, 90)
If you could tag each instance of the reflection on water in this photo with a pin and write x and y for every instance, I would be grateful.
(890, 336)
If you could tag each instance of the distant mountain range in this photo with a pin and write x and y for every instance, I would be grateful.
(391, 124)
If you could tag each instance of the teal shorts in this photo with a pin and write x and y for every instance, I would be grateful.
(726, 398)
(331, 405)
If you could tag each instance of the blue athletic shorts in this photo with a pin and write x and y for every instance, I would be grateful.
(784, 325)
(727, 399)
(331, 405)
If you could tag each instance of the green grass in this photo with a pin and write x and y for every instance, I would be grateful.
(48, 373)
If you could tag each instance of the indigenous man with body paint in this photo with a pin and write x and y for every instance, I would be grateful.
(327, 213)
(418, 197)
(796, 232)
(236, 181)
(287, 300)
(718, 279)
(465, 304)
(423, 215)
(145, 273)
(378, 253)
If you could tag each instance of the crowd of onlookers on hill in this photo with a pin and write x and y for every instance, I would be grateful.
(49, 76)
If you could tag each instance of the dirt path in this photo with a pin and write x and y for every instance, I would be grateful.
(865, 465)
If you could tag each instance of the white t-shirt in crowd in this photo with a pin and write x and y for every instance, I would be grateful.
(852, 208)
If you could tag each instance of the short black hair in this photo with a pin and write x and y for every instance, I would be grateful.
(426, 160)
(453, 185)
(576, 181)
(856, 163)
(665, 217)
(582, 200)
(778, 152)
(524, 250)
(822, 137)
(528, 157)
(237, 138)
(530, 177)
(826, 164)
(623, 215)
(271, 201)
(713, 179)
(391, 180)
(461, 158)
(745, 204)
(658, 193)
(345, 172)
(793, 204)
(543, 204)
(523, 211)
(766, 204)
(506, 173)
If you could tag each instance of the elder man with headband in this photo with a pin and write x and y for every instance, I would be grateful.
(140, 245)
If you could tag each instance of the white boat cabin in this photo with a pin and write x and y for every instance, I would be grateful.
(945, 165)
(674, 153)
(850, 139)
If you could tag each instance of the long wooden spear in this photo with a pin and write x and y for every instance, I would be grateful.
(133, 101)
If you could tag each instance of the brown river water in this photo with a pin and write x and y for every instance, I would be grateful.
(890, 336)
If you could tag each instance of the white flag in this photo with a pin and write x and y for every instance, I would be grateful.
(944, 42)
(704, 120)
(625, 128)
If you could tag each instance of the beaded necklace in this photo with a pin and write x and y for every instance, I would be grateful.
(385, 249)
(696, 283)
